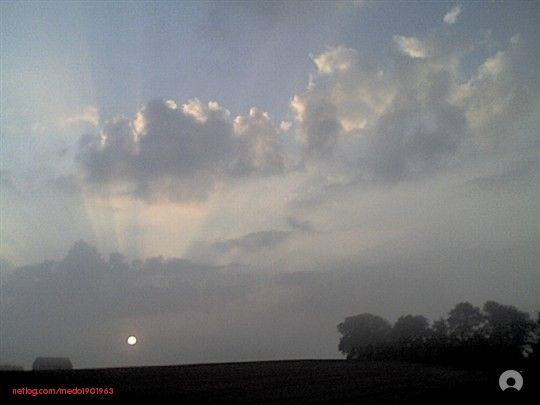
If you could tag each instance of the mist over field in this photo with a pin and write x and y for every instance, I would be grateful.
(229, 181)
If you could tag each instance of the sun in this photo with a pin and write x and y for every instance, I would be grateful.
(131, 340)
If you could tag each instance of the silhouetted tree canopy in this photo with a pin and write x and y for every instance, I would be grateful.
(440, 328)
(469, 334)
(464, 320)
(535, 344)
(506, 324)
(362, 331)
(410, 328)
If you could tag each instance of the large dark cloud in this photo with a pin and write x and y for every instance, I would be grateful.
(84, 306)
(180, 152)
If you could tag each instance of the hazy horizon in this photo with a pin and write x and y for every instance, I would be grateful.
(229, 181)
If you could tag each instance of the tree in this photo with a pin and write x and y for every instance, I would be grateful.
(497, 335)
(410, 328)
(535, 345)
(440, 329)
(361, 334)
(508, 328)
(464, 321)
(408, 336)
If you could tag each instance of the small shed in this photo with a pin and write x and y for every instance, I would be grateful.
(52, 363)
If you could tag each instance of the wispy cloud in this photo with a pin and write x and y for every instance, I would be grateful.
(451, 17)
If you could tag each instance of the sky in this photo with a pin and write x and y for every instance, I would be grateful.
(229, 180)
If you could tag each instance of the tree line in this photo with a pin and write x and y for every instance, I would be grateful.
(491, 335)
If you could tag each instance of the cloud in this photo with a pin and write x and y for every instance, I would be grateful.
(346, 94)
(355, 120)
(451, 17)
(180, 153)
(524, 174)
(235, 250)
(339, 59)
(411, 47)
(253, 241)
(259, 249)
(84, 305)
(379, 126)
(261, 144)
(501, 95)
(58, 123)
(417, 115)
(285, 126)
(89, 115)
(299, 225)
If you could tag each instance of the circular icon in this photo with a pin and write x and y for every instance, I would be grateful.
(510, 379)
(131, 340)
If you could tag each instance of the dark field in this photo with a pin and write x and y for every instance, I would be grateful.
(302, 381)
